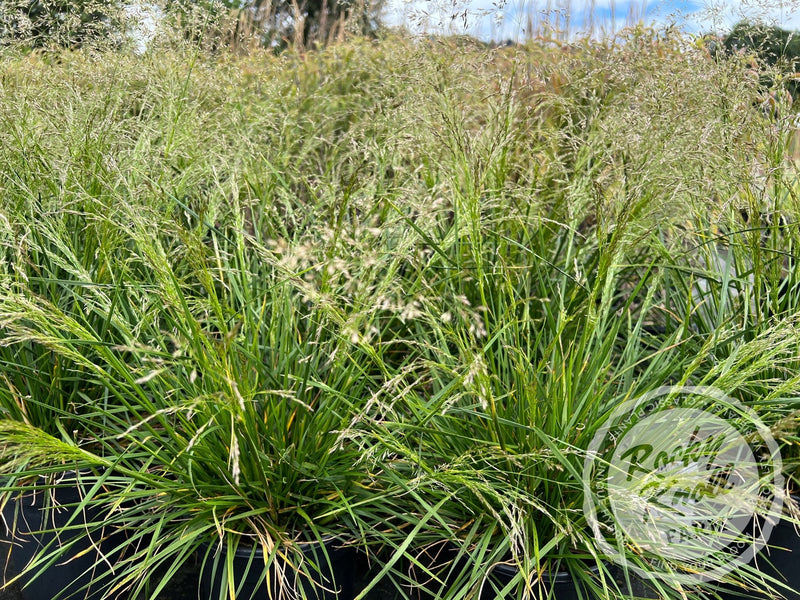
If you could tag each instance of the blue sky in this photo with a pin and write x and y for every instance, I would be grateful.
(508, 19)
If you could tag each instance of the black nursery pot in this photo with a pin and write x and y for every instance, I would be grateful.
(780, 559)
(29, 528)
(443, 562)
(332, 579)
(561, 585)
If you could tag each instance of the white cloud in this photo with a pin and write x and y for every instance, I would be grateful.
(143, 19)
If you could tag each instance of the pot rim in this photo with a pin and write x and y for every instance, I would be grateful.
(510, 570)
(244, 549)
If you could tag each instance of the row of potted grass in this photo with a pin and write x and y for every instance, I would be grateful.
(395, 364)
(215, 392)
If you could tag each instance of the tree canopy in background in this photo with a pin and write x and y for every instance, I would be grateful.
(775, 47)
(60, 22)
(72, 23)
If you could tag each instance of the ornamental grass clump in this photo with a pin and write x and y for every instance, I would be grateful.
(203, 312)
(544, 307)
(224, 410)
